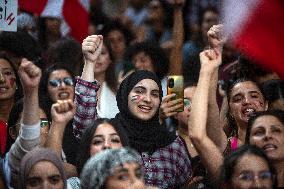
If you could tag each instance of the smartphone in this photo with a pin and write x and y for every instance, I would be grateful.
(175, 85)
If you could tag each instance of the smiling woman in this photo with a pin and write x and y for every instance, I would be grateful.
(9, 84)
(245, 98)
(163, 155)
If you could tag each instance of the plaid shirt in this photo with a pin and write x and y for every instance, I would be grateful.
(166, 168)
(86, 102)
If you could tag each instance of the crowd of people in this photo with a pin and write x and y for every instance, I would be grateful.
(97, 115)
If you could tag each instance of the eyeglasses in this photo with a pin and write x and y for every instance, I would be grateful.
(249, 176)
(57, 82)
(187, 102)
(44, 122)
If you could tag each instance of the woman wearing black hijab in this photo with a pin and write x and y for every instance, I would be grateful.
(163, 155)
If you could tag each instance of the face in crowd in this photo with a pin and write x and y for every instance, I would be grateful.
(267, 132)
(184, 116)
(7, 80)
(252, 171)
(44, 174)
(60, 85)
(41, 168)
(105, 137)
(129, 175)
(143, 99)
(245, 98)
(113, 169)
(143, 61)
(117, 42)
(44, 127)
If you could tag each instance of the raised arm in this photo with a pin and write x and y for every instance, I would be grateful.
(86, 86)
(29, 135)
(175, 67)
(62, 112)
(211, 156)
(214, 129)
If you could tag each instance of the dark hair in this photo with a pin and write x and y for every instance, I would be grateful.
(231, 161)
(110, 71)
(273, 89)
(279, 114)
(191, 69)
(19, 91)
(43, 92)
(21, 44)
(168, 13)
(250, 68)
(116, 25)
(68, 52)
(87, 137)
(158, 57)
(230, 85)
(205, 10)
(42, 31)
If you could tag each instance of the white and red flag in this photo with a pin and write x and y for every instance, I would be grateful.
(74, 14)
(256, 27)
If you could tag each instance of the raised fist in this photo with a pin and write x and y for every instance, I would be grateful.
(63, 111)
(216, 37)
(29, 74)
(210, 59)
(92, 48)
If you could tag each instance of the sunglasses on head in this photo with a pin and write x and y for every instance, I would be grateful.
(57, 82)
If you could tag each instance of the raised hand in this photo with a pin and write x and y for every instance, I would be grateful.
(63, 111)
(169, 107)
(216, 36)
(210, 59)
(92, 48)
(29, 75)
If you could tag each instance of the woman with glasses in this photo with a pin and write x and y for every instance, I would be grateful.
(14, 123)
(246, 168)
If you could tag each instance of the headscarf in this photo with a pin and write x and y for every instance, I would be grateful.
(99, 167)
(144, 136)
(35, 156)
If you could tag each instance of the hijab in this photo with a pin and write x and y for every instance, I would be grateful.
(35, 156)
(144, 136)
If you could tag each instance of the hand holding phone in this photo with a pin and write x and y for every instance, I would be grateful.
(175, 85)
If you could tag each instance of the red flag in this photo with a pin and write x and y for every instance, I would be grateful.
(258, 30)
(33, 6)
(74, 14)
(77, 18)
